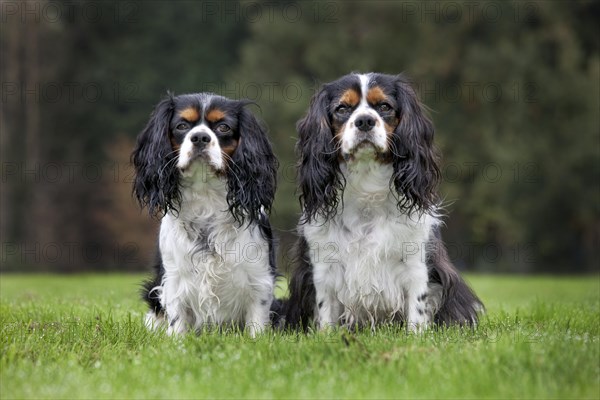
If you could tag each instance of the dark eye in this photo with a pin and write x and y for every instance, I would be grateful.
(182, 127)
(342, 109)
(223, 128)
(384, 107)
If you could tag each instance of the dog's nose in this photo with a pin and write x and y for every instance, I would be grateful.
(364, 122)
(200, 138)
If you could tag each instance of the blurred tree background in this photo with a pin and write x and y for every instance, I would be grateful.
(513, 89)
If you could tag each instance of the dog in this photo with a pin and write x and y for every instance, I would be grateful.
(205, 167)
(369, 249)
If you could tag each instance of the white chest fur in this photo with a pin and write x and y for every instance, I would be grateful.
(215, 272)
(369, 260)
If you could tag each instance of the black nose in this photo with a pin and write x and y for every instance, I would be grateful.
(200, 138)
(364, 123)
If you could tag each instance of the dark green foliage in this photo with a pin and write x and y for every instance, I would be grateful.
(513, 89)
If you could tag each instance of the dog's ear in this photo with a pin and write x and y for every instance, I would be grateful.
(252, 172)
(319, 176)
(415, 158)
(156, 183)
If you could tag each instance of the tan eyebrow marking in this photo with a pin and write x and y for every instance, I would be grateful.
(350, 97)
(215, 115)
(376, 95)
(190, 114)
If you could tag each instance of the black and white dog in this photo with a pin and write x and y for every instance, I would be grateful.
(204, 164)
(370, 250)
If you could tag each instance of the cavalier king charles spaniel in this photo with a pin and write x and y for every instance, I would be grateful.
(370, 250)
(205, 166)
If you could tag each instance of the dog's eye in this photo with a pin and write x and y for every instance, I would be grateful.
(223, 128)
(384, 107)
(182, 127)
(342, 109)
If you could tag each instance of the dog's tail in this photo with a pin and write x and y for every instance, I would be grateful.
(150, 287)
(277, 313)
(458, 303)
(297, 312)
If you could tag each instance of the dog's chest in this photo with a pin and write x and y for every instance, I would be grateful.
(368, 253)
(212, 269)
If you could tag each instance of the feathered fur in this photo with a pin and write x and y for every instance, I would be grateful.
(369, 250)
(204, 165)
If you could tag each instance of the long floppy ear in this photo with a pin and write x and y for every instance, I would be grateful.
(319, 174)
(252, 174)
(156, 183)
(415, 161)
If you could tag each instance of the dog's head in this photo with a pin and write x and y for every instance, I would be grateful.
(362, 116)
(208, 131)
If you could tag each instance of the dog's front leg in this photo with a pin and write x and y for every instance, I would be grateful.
(257, 314)
(417, 317)
(327, 278)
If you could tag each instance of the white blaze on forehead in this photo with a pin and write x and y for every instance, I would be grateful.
(364, 87)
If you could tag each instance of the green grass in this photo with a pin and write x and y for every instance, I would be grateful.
(82, 337)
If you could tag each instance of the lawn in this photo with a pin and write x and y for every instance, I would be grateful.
(82, 337)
